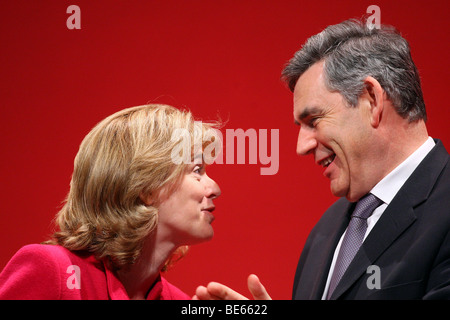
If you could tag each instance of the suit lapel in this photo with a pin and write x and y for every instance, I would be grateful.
(314, 264)
(326, 248)
(397, 217)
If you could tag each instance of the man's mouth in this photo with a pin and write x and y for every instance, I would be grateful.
(327, 161)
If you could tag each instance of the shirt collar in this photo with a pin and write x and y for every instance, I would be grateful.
(388, 187)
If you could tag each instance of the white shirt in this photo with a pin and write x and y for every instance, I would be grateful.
(386, 190)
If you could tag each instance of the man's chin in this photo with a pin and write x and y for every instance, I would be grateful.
(338, 191)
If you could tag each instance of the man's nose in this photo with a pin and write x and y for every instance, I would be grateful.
(306, 141)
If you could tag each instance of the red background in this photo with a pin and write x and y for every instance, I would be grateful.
(218, 58)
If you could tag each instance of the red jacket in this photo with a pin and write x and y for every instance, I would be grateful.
(54, 273)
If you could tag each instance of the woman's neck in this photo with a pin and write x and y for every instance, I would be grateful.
(140, 277)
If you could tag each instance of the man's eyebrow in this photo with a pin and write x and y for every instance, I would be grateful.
(308, 111)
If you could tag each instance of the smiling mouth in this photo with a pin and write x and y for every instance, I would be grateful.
(327, 161)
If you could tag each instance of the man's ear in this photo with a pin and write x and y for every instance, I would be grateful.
(375, 95)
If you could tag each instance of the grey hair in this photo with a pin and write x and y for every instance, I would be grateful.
(352, 51)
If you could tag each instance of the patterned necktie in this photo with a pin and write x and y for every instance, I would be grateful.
(353, 237)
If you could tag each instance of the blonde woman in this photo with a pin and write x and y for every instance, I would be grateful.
(131, 211)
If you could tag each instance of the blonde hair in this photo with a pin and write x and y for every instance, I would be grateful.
(125, 156)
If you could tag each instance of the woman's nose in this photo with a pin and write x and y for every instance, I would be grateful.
(213, 189)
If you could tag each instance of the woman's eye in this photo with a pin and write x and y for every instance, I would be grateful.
(198, 169)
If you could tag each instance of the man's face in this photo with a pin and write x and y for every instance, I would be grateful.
(335, 134)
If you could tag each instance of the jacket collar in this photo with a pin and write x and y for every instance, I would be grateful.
(116, 290)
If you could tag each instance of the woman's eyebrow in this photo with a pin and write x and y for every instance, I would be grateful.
(198, 158)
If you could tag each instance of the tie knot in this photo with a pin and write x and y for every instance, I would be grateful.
(365, 206)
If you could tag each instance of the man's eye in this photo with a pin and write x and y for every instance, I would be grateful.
(313, 122)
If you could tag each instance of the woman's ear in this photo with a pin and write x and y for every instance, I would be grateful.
(146, 198)
(375, 96)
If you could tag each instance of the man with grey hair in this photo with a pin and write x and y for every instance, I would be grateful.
(359, 106)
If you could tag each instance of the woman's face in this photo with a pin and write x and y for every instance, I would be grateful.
(186, 215)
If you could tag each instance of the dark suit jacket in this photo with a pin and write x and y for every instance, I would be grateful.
(410, 243)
